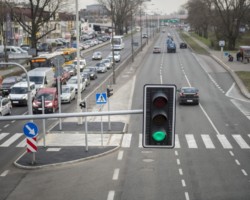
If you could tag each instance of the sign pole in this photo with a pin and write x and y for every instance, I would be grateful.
(109, 115)
(86, 127)
(44, 126)
(101, 129)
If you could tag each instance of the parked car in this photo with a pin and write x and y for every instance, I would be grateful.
(92, 71)
(188, 95)
(50, 99)
(73, 82)
(97, 55)
(44, 47)
(5, 106)
(68, 94)
(25, 47)
(8, 82)
(157, 49)
(101, 68)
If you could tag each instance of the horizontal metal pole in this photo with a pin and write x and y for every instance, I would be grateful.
(66, 115)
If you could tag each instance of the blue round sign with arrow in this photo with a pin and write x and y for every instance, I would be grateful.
(30, 130)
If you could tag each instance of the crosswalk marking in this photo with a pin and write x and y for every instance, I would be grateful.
(3, 135)
(126, 140)
(224, 142)
(207, 141)
(12, 139)
(191, 141)
(177, 141)
(22, 144)
(241, 141)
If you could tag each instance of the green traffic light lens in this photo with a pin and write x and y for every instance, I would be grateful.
(159, 136)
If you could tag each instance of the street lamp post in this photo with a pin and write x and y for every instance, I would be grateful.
(112, 42)
(132, 39)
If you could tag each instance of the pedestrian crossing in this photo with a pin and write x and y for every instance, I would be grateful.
(187, 141)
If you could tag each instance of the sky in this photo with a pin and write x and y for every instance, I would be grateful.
(162, 6)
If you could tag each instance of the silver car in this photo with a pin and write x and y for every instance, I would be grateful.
(5, 106)
(68, 94)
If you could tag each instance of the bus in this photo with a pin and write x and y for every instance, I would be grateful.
(118, 43)
(69, 54)
(47, 60)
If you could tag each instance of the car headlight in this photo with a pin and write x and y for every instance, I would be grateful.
(50, 104)
(25, 96)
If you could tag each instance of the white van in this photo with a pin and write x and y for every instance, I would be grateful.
(42, 77)
(19, 93)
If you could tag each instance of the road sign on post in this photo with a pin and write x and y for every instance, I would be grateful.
(101, 98)
(30, 130)
(159, 116)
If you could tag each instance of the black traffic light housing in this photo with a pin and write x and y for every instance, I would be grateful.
(109, 92)
(159, 109)
(82, 104)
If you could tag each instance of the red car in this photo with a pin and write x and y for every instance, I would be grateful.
(51, 100)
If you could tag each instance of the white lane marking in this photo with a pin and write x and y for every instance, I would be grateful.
(207, 141)
(191, 141)
(237, 162)
(244, 172)
(224, 142)
(6, 125)
(3, 135)
(111, 195)
(183, 183)
(126, 140)
(140, 140)
(178, 161)
(180, 171)
(230, 89)
(13, 121)
(177, 141)
(241, 141)
(11, 140)
(116, 174)
(120, 155)
(186, 195)
(22, 144)
(4, 173)
(53, 149)
(231, 153)
(176, 153)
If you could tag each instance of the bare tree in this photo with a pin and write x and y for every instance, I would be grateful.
(231, 13)
(34, 15)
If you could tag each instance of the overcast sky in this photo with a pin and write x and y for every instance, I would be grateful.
(164, 6)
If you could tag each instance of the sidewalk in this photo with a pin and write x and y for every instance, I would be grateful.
(231, 67)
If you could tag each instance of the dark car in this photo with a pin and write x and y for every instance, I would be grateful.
(44, 47)
(86, 77)
(71, 68)
(188, 95)
(8, 82)
(92, 72)
(64, 75)
(183, 45)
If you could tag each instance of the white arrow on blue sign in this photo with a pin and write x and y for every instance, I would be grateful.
(30, 130)
(101, 98)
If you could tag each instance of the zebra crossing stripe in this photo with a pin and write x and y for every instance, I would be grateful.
(126, 140)
(22, 144)
(191, 141)
(177, 141)
(224, 142)
(241, 141)
(207, 141)
(12, 139)
(3, 135)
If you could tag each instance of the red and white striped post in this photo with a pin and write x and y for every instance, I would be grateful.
(32, 147)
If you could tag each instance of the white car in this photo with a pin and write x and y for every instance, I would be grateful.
(5, 106)
(101, 68)
(68, 94)
(97, 55)
(107, 62)
(73, 82)
(117, 56)
(82, 64)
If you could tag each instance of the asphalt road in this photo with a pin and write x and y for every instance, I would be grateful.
(210, 160)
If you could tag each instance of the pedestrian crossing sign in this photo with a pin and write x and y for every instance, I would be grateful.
(101, 98)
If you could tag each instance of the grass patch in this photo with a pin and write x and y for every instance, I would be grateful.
(245, 78)
(196, 47)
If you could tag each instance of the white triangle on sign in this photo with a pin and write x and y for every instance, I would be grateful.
(101, 99)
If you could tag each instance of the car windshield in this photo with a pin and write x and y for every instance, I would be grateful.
(189, 90)
(37, 79)
(65, 90)
(19, 90)
(72, 81)
(8, 81)
(47, 96)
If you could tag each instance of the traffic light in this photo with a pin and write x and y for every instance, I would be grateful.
(159, 115)
(109, 92)
(82, 104)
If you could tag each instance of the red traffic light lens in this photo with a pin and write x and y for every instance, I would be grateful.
(160, 101)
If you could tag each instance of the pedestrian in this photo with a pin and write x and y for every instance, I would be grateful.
(230, 58)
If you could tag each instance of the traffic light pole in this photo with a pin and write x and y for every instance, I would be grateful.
(109, 128)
